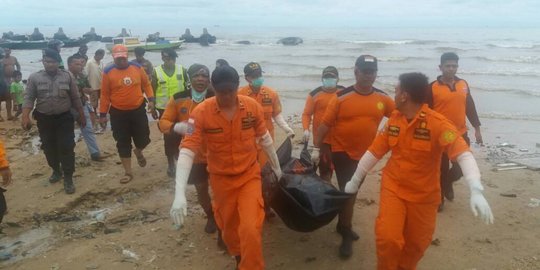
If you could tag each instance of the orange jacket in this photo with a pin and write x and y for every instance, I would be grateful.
(316, 103)
(269, 99)
(178, 109)
(123, 88)
(231, 146)
(355, 119)
(3, 160)
(413, 170)
(454, 102)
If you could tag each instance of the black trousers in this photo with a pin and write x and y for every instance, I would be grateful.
(57, 140)
(450, 175)
(171, 141)
(130, 125)
(344, 166)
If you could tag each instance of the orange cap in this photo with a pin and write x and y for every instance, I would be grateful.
(119, 50)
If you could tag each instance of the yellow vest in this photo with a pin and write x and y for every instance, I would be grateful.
(168, 85)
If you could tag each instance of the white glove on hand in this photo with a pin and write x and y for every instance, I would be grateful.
(181, 128)
(480, 205)
(268, 146)
(365, 164)
(179, 210)
(306, 135)
(315, 158)
(283, 125)
(183, 168)
(289, 131)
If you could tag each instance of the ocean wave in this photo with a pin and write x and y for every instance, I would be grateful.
(518, 59)
(449, 49)
(393, 42)
(510, 116)
(322, 55)
(522, 92)
(514, 46)
(401, 59)
(504, 73)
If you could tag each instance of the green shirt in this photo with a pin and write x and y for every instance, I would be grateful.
(17, 91)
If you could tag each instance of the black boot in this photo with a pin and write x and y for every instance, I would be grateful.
(345, 249)
(55, 177)
(171, 168)
(69, 188)
(343, 230)
(220, 242)
(237, 258)
(448, 190)
(210, 225)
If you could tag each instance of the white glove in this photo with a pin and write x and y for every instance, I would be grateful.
(183, 167)
(181, 128)
(268, 145)
(365, 164)
(283, 125)
(306, 135)
(471, 173)
(315, 158)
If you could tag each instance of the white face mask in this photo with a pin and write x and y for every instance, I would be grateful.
(198, 96)
(329, 83)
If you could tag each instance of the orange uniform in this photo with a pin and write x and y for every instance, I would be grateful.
(410, 190)
(316, 103)
(354, 119)
(235, 175)
(269, 100)
(123, 88)
(178, 109)
(3, 160)
(454, 102)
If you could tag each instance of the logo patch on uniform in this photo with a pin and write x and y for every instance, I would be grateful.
(248, 121)
(214, 130)
(266, 101)
(393, 131)
(184, 110)
(380, 106)
(422, 134)
(127, 81)
(449, 136)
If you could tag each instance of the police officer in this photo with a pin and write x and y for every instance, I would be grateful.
(55, 94)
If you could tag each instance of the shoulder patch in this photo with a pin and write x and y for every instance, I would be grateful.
(345, 91)
(131, 63)
(314, 92)
(377, 90)
(109, 68)
(181, 95)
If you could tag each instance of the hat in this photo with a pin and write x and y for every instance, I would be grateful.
(253, 69)
(51, 53)
(366, 62)
(197, 69)
(119, 50)
(330, 71)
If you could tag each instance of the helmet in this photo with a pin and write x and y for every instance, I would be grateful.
(55, 43)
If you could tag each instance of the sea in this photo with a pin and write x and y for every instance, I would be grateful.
(501, 65)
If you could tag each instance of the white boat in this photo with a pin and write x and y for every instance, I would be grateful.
(133, 42)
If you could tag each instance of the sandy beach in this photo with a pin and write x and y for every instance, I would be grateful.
(107, 225)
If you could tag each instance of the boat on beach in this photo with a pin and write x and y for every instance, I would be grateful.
(133, 42)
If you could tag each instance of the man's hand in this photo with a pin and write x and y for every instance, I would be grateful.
(179, 210)
(6, 176)
(26, 123)
(306, 135)
(154, 114)
(479, 205)
(315, 158)
(151, 106)
(478, 136)
(181, 128)
(103, 120)
(290, 132)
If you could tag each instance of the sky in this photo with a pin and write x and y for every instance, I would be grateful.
(23, 15)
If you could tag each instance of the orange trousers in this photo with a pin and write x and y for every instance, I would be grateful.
(403, 231)
(239, 213)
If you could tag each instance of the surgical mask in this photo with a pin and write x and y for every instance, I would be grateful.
(257, 82)
(329, 82)
(198, 96)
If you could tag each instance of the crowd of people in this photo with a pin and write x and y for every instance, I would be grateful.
(218, 134)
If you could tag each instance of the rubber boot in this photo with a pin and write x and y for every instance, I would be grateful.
(210, 225)
(343, 230)
(345, 249)
(220, 242)
(55, 177)
(69, 188)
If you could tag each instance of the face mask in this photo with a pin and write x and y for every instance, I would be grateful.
(198, 96)
(329, 82)
(257, 82)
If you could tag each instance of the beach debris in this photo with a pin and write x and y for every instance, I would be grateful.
(436, 242)
(517, 167)
(534, 202)
(509, 195)
(128, 254)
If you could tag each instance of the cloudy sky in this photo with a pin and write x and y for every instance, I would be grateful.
(25, 14)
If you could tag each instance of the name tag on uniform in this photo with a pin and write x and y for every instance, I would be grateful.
(422, 134)
(248, 122)
(393, 131)
(266, 101)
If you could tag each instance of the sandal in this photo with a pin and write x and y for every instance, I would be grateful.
(141, 160)
(126, 179)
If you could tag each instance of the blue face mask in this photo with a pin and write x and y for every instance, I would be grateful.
(257, 82)
(329, 82)
(198, 96)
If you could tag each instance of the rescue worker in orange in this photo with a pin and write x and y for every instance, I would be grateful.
(316, 104)
(410, 191)
(353, 115)
(123, 98)
(451, 97)
(5, 172)
(269, 99)
(230, 125)
(174, 120)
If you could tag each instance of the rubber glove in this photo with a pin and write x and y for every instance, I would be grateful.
(181, 128)
(306, 135)
(365, 164)
(183, 167)
(315, 158)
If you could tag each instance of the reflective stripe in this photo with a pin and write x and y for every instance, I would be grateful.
(168, 86)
